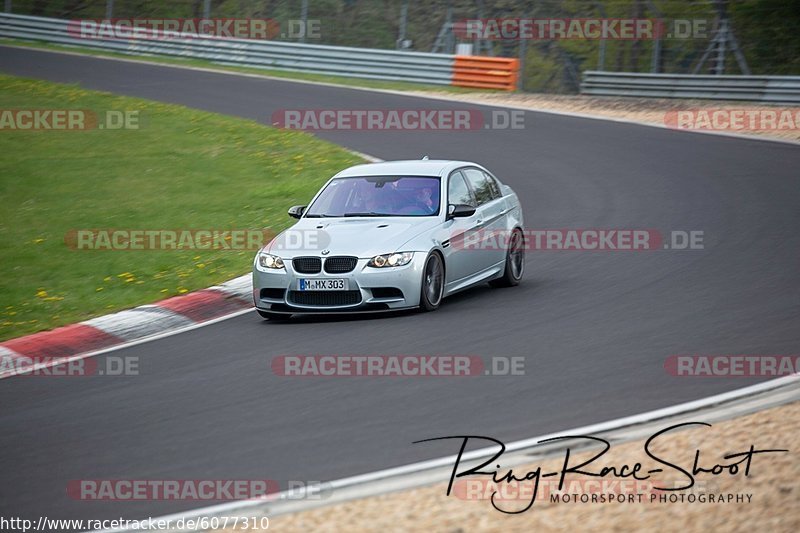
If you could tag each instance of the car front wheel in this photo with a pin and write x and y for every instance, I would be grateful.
(432, 283)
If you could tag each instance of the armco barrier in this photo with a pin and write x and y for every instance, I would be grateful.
(766, 89)
(486, 72)
(333, 60)
(419, 67)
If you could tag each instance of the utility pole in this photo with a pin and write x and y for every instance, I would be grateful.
(206, 9)
(719, 67)
(451, 38)
(523, 52)
(601, 54)
(401, 36)
(109, 8)
(304, 19)
(655, 62)
(7, 6)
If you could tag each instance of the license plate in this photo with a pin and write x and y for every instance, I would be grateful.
(329, 284)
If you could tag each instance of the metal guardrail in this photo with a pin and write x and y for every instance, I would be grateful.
(333, 60)
(766, 89)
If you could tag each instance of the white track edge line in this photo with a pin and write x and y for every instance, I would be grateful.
(447, 461)
(121, 346)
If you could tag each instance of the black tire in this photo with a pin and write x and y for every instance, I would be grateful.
(432, 290)
(274, 317)
(515, 262)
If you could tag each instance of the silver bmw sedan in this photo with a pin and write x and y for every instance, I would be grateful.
(392, 235)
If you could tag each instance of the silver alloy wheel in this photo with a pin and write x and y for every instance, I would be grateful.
(516, 254)
(434, 280)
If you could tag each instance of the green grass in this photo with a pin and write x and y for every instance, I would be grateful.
(182, 169)
(274, 73)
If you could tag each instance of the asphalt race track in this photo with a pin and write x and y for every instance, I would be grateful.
(594, 327)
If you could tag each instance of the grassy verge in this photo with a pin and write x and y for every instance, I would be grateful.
(273, 73)
(181, 169)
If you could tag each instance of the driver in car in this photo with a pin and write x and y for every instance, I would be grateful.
(424, 201)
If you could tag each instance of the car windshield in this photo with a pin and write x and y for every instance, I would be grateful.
(373, 196)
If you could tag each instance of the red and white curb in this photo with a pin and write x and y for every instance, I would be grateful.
(24, 355)
(91, 337)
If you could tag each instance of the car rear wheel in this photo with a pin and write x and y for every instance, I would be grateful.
(515, 262)
(432, 283)
(275, 317)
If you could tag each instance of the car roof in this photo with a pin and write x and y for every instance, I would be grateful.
(413, 167)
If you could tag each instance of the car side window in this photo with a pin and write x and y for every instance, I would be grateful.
(480, 185)
(458, 192)
(493, 185)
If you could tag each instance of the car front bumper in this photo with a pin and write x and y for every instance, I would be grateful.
(369, 289)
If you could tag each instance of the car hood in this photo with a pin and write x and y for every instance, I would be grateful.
(360, 237)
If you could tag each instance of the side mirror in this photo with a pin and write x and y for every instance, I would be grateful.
(460, 211)
(296, 211)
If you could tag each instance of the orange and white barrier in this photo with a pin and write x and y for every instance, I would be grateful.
(486, 72)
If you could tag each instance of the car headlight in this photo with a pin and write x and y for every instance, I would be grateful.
(391, 260)
(269, 261)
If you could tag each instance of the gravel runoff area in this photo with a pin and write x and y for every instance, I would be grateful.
(745, 118)
(772, 488)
